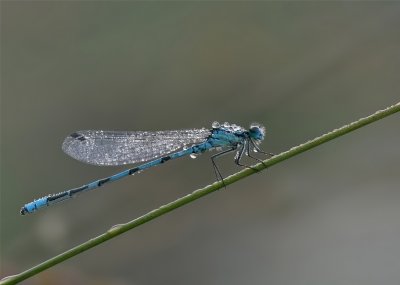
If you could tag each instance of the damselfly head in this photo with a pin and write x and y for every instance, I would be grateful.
(257, 131)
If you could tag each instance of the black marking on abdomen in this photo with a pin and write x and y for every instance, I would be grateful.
(73, 191)
(164, 159)
(133, 170)
(57, 196)
(102, 181)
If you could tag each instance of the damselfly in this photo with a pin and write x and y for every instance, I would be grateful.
(120, 148)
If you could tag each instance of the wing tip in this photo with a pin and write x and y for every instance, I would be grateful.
(76, 137)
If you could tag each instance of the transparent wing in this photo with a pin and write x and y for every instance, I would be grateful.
(118, 147)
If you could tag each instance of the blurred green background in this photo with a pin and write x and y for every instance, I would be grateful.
(328, 216)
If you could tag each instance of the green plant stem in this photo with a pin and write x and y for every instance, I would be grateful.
(121, 228)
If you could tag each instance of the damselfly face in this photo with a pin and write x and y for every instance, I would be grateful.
(257, 132)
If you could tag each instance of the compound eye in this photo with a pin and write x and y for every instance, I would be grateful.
(257, 131)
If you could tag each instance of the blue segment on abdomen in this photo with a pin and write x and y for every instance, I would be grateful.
(33, 206)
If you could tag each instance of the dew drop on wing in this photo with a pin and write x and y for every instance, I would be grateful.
(215, 125)
(236, 128)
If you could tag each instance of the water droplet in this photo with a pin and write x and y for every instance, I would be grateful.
(116, 227)
(215, 125)
(236, 128)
